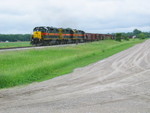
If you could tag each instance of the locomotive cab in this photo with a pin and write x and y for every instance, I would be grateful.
(37, 35)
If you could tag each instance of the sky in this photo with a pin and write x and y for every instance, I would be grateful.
(91, 16)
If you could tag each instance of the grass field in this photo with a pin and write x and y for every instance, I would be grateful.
(14, 44)
(23, 67)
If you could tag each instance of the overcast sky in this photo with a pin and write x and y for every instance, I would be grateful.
(95, 16)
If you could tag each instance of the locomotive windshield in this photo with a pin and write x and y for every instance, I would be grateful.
(42, 29)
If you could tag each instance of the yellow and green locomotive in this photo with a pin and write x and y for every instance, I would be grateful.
(50, 35)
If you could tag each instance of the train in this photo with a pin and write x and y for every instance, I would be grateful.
(45, 35)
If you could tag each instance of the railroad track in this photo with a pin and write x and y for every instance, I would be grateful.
(30, 47)
(13, 48)
(16, 47)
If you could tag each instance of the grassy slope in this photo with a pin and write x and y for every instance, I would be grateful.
(22, 67)
(14, 44)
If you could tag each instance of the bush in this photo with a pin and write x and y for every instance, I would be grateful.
(141, 36)
(126, 38)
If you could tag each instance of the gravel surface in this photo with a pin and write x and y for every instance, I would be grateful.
(118, 84)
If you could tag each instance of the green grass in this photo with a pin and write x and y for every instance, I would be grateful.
(24, 67)
(14, 44)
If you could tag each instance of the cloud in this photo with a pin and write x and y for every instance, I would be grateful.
(103, 16)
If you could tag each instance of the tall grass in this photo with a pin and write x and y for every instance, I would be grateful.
(23, 67)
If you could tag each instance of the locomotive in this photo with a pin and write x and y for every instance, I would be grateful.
(45, 35)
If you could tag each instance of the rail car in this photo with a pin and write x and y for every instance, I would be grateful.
(51, 35)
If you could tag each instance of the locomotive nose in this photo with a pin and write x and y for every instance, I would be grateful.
(37, 34)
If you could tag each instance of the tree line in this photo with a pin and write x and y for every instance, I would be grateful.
(27, 37)
(14, 37)
(135, 34)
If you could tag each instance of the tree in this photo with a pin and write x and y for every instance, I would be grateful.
(118, 37)
(136, 31)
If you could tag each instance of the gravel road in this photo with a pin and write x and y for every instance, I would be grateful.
(118, 84)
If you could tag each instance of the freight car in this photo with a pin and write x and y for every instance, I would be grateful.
(50, 35)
